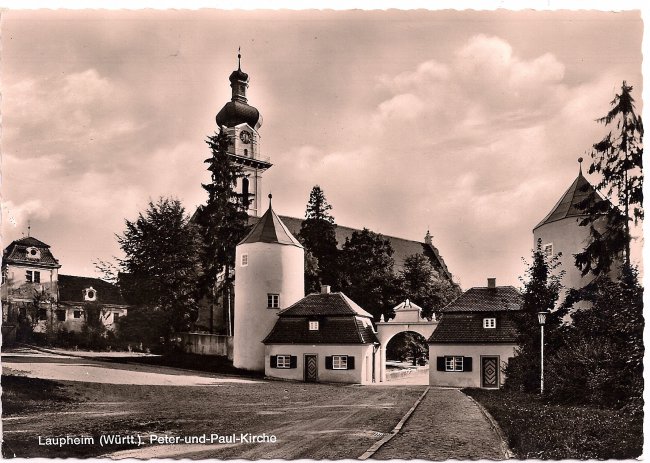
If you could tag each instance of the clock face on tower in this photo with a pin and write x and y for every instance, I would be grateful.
(245, 137)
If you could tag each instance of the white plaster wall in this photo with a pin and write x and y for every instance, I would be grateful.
(569, 238)
(362, 373)
(466, 378)
(272, 268)
(17, 287)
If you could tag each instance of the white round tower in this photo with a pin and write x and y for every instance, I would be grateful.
(269, 276)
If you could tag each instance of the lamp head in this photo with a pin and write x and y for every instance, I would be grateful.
(541, 317)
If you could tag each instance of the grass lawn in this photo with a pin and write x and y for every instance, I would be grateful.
(536, 430)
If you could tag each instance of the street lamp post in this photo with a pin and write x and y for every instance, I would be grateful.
(541, 316)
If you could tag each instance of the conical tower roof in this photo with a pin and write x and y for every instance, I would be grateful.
(567, 206)
(270, 229)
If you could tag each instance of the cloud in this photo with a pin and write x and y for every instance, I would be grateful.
(17, 216)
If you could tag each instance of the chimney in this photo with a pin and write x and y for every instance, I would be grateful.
(325, 289)
(492, 283)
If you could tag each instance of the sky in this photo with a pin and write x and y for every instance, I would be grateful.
(465, 123)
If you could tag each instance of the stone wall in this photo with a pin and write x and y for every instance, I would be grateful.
(207, 344)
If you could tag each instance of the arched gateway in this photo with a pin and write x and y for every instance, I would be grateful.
(407, 318)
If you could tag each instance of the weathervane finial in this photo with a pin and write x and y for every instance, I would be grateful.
(239, 58)
(580, 162)
(270, 198)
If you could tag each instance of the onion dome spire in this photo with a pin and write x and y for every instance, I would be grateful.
(237, 110)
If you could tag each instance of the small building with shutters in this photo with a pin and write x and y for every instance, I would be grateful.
(324, 337)
(475, 338)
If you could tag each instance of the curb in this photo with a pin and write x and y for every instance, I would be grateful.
(48, 351)
(377, 445)
(505, 449)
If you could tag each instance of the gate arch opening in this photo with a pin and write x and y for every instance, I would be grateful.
(408, 318)
(407, 355)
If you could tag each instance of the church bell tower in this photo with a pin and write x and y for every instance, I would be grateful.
(242, 122)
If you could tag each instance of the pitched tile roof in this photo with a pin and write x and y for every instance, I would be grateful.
(327, 304)
(482, 299)
(71, 290)
(16, 253)
(270, 229)
(460, 328)
(331, 330)
(340, 322)
(579, 190)
(402, 248)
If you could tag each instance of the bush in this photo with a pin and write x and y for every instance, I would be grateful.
(537, 430)
(144, 327)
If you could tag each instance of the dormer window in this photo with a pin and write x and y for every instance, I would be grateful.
(90, 294)
(32, 253)
(313, 325)
(489, 323)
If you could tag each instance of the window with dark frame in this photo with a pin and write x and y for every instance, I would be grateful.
(313, 325)
(33, 276)
(284, 361)
(60, 315)
(453, 363)
(548, 250)
(244, 260)
(76, 314)
(340, 362)
(490, 322)
(273, 301)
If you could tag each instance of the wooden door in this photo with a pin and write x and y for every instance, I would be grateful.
(490, 372)
(311, 367)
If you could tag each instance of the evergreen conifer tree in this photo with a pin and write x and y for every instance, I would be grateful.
(223, 224)
(317, 233)
(618, 158)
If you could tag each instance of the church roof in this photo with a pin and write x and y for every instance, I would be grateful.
(324, 304)
(567, 206)
(270, 229)
(402, 248)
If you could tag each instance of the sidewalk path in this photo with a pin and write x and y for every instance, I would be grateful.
(55, 365)
(446, 425)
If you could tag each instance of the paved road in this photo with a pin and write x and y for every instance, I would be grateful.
(60, 367)
(314, 421)
(446, 425)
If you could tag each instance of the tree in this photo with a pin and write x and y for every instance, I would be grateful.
(618, 158)
(605, 346)
(367, 272)
(422, 284)
(541, 291)
(223, 223)
(317, 233)
(161, 248)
